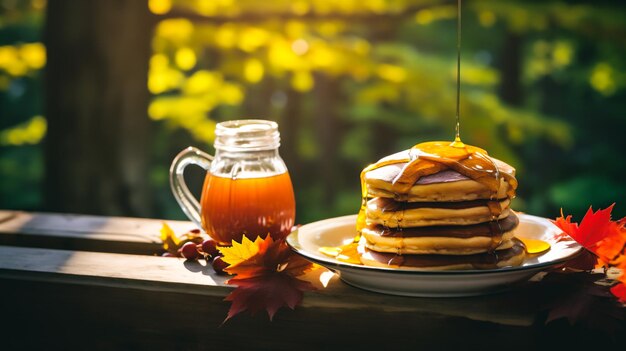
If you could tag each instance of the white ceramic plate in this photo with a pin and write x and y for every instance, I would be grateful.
(341, 230)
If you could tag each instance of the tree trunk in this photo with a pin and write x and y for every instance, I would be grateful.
(511, 69)
(326, 125)
(290, 123)
(98, 141)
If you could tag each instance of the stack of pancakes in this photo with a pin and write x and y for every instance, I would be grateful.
(445, 220)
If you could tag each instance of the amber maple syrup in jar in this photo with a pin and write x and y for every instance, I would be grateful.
(247, 189)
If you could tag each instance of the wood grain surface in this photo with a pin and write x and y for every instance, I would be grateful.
(86, 233)
(65, 293)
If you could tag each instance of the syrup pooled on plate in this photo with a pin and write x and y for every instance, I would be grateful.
(535, 246)
(345, 253)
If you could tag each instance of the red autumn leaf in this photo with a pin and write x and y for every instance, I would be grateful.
(266, 279)
(566, 226)
(269, 291)
(619, 291)
(604, 238)
(592, 229)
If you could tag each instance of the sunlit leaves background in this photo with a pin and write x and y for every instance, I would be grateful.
(352, 80)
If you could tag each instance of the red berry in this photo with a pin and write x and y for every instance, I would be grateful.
(209, 247)
(189, 251)
(219, 265)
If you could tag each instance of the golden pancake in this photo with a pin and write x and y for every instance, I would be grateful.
(488, 229)
(447, 185)
(442, 240)
(510, 257)
(460, 189)
(395, 214)
(436, 245)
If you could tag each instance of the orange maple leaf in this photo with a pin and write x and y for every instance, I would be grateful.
(265, 275)
(611, 252)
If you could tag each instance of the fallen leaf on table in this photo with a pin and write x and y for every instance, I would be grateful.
(612, 252)
(603, 237)
(265, 275)
(267, 292)
(240, 252)
(170, 241)
(585, 261)
(619, 291)
(592, 229)
(583, 300)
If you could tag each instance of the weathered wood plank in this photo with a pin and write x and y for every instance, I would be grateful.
(86, 233)
(66, 316)
(178, 275)
(63, 315)
(95, 268)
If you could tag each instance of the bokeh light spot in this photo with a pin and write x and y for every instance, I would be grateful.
(395, 74)
(253, 70)
(185, 58)
(487, 18)
(160, 7)
(601, 79)
(302, 81)
(300, 47)
(30, 132)
(34, 55)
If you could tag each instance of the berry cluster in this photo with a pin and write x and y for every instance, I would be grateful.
(194, 247)
(208, 250)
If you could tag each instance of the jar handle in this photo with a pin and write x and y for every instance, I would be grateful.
(188, 203)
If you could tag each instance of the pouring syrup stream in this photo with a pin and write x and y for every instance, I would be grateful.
(432, 157)
(457, 137)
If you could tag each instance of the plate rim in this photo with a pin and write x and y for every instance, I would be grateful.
(330, 262)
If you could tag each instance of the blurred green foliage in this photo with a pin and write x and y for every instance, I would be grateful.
(22, 57)
(543, 88)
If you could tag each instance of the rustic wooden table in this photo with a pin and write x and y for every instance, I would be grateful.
(77, 282)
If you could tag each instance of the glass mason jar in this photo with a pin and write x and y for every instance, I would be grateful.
(247, 189)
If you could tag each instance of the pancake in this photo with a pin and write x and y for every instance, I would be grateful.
(447, 185)
(513, 256)
(436, 245)
(395, 214)
(457, 231)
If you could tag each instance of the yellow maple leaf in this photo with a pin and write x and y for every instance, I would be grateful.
(169, 238)
(240, 252)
